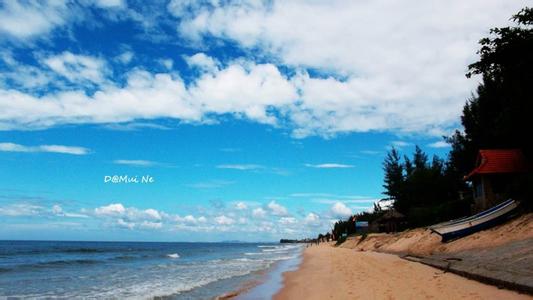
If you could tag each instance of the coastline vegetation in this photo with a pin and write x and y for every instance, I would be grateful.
(497, 116)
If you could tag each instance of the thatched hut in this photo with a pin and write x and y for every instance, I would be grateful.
(390, 221)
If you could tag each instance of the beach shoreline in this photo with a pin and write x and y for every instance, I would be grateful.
(269, 283)
(328, 272)
(258, 278)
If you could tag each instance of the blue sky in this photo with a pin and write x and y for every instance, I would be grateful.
(257, 120)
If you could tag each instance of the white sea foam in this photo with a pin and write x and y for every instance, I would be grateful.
(275, 250)
(173, 278)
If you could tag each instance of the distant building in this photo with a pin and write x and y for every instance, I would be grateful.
(497, 176)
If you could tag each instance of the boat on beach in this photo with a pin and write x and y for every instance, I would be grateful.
(464, 226)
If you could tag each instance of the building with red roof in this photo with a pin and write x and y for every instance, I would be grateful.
(497, 174)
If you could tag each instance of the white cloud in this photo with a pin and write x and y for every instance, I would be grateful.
(223, 220)
(190, 220)
(167, 63)
(384, 204)
(179, 8)
(112, 105)
(151, 225)
(272, 221)
(379, 68)
(26, 209)
(12, 147)
(242, 89)
(77, 68)
(439, 144)
(152, 213)
(58, 211)
(20, 209)
(399, 144)
(110, 210)
(312, 219)
(125, 57)
(259, 212)
(130, 217)
(109, 3)
(287, 220)
(277, 209)
(340, 209)
(362, 201)
(22, 76)
(245, 89)
(329, 166)
(139, 163)
(31, 18)
(125, 224)
(63, 149)
(242, 167)
(202, 62)
(398, 72)
(241, 206)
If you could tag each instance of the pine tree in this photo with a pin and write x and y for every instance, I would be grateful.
(420, 159)
(393, 182)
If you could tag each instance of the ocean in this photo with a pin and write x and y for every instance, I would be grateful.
(134, 270)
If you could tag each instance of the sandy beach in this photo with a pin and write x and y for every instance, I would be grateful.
(338, 273)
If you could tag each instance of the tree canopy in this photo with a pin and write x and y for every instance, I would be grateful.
(498, 115)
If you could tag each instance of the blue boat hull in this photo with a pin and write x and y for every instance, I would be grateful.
(446, 237)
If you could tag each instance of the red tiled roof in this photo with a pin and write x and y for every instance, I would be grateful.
(496, 161)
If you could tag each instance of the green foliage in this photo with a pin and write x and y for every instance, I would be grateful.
(424, 192)
(498, 115)
(393, 174)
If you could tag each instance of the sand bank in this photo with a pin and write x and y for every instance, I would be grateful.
(340, 273)
(421, 241)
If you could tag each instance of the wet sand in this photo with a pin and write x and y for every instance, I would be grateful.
(272, 281)
(339, 273)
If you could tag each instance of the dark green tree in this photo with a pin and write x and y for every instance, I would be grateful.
(420, 159)
(408, 166)
(428, 192)
(393, 169)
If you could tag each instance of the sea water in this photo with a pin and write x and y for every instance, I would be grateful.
(139, 270)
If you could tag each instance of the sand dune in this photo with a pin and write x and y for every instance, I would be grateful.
(422, 242)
